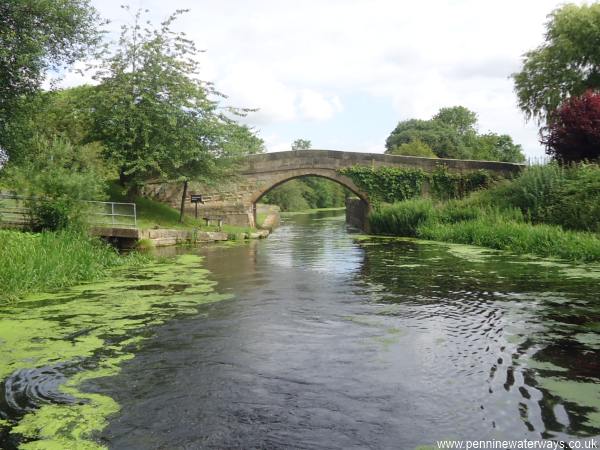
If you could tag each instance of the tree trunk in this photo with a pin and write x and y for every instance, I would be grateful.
(183, 196)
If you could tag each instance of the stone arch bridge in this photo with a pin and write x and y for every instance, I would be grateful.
(236, 200)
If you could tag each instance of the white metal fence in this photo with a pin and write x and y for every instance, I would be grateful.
(14, 212)
(112, 214)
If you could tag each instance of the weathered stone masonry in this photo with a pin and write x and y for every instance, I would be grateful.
(235, 200)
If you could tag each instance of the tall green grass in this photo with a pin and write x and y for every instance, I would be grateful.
(517, 237)
(53, 260)
(547, 210)
(568, 196)
(402, 218)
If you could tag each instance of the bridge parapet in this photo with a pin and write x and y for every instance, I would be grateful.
(335, 159)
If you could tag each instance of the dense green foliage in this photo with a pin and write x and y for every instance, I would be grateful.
(415, 147)
(518, 237)
(562, 195)
(53, 260)
(37, 35)
(444, 141)
(55, 178)
(486, 227)
(156, 119)
(566, 64)
(387, 184)
(402, 218)
(392, 184)
(150, 117)
(307, 193)
(451, 133)
(547, 211)
(447, 185)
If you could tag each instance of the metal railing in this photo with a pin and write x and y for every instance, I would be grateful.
(14, 212)
(114, 214)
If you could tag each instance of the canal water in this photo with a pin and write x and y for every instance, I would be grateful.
(313, 338)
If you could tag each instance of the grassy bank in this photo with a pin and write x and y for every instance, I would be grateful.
(548, 211)
(154, 214)
(53, 260)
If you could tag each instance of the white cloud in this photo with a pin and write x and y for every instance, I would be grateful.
(253, 86)
(300, 61)
(314, 106)
(276, 143)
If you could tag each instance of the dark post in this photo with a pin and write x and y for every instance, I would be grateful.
(195, 199)
(185, 187)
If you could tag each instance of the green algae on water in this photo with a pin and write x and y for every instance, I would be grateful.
(582, 394)
(96, 326)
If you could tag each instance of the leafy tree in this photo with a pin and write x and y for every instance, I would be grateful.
(498, 147)
(323, 193)
(36, 36)
(68, 113)
(301, 144)
(156, 119)
(414, 148)
(440, 137)
(452, 133)
(241, 140)
(56, 177)
(289, 196)
(462, 119)
(566, 64)
(574, 131)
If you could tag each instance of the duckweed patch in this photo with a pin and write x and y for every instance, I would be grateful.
(93, 328)
(585, 395)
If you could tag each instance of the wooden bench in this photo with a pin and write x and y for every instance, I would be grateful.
(218, 219)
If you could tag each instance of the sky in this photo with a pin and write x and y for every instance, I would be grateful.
(343, 73)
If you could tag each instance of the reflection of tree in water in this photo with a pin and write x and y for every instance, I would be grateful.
(533, 306)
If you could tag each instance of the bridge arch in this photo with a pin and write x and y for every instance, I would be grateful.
(332, 175)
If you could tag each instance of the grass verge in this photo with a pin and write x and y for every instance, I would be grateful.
(464, 222)
(53, 260)
(154, 214)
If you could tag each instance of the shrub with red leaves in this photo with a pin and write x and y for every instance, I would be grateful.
(574, 130)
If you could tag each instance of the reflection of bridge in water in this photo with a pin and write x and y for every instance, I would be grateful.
(236, 200)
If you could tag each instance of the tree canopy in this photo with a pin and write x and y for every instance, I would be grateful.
(415, 147)
(149, 117)
(451, 133)
(574, 133)
(566, 64)
(37, 36)
(301, 144)
(440, 137)
(155, 117)
(461, 119)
